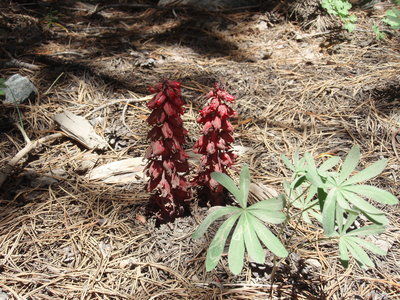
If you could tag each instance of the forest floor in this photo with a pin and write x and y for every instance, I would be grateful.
(306, 87)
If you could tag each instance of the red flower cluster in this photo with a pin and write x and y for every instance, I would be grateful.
(215, 143)
(165, 154)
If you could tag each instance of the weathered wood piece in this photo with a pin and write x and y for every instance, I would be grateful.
(120, 172)
(262, 192)
(79, 129)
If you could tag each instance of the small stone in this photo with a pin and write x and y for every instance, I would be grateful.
(18, 89)
(3, 296)
(313, 263)
(43, 181)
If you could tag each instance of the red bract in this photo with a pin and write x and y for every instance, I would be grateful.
(166, 156)
(215, 143)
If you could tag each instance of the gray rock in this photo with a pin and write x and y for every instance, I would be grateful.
(313, 263)
(3, 296)
(208, 4)
(18, 89)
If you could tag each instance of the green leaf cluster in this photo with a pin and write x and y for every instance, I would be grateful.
(247, 224)
(392, 18)
(336, 198)
(340, 8)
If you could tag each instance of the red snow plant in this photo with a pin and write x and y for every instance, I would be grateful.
(167, 159)
(215, 143)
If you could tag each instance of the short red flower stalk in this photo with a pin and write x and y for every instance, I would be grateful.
(166, 155)
(215, 143)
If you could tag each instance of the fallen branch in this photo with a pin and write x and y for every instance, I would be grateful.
(24, 151)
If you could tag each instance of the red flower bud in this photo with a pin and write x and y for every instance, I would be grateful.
(215, 143)
(166, 154)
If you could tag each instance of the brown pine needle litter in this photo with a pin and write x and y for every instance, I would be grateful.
(63, 237)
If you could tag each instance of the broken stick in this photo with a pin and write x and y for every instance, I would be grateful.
(24, 151)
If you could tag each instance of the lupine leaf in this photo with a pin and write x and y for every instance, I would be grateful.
(251, 241)
(370, 246)
(367, 230)
(373, 193)
(236, 248)
(344, 253)
(328, 213)
(350, 163)
(213, 217)
(329, 163)
(360, 203)
(312, 174)
(342, 201)
(288, 163)
(339, 216)
(244, 184)
(272, 204)
(229, 184)
(351, 217)
(218, 243)
(273, 217)
(268, 238)
(370, 172)
(358, 253)
(377, 218)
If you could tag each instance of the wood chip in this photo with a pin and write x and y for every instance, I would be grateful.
(79, 129)
(120, 172)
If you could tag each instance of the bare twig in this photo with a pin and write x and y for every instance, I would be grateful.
(25, 136)
(18, 63)
(146, 98)
(24, 151)
(123, 121)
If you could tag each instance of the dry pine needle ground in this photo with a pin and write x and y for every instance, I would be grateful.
(62, 237)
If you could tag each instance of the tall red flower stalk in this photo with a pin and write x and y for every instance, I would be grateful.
(215, 143)
(166, 156)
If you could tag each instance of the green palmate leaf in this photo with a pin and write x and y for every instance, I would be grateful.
(213, 217)
(229, 184)
(373, 193)
(312, 174)
(351, 217)
(378, 33)
(393, 18)
(342, 201)
(251, 241)
(298, 181)
(377, 218)
(218, 243)
(370, 246)
(267, 216)
(328, 213)
(350, 163)
(339, 216)
(268, 238)
(367, 230)
(288, 163)
(272, 204)
(244, 184)
(236, 248)
(360, 203)
(370, 172)
(344, 253)
(329, 163)
(358, 253)
(316, 215)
